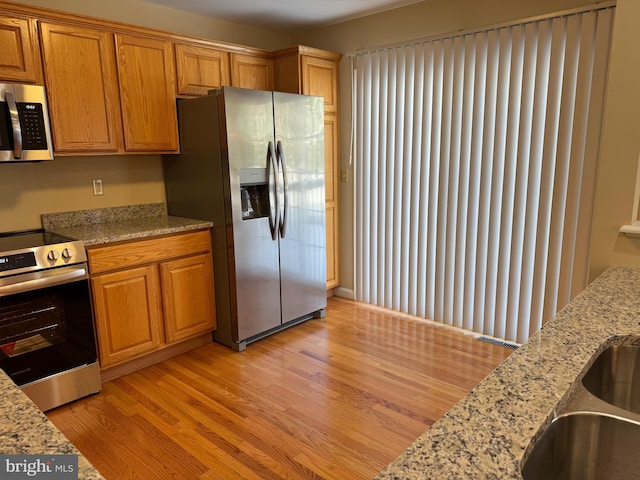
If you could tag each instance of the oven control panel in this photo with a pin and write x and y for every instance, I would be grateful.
(17, 261)
(41, 257)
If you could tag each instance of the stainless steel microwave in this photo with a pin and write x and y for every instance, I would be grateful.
(25, 133)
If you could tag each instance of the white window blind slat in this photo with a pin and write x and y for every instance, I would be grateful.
(476, 56)
(502, 56)
(604, 24)
(440, 164)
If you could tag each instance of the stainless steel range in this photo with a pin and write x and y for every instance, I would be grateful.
(47, 339)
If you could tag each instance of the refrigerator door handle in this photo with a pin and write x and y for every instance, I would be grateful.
(272, 172)
(282, 161)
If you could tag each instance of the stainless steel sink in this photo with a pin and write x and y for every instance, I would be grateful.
(615, 377)
(596, 431)
(586, 446)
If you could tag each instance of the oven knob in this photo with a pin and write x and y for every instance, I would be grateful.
(52, 255)
(67, 254)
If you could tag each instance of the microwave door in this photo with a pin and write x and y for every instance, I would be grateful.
(25, 134)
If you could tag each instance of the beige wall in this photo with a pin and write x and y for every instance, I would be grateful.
(436, 17)
(619, 148)
(30, 189)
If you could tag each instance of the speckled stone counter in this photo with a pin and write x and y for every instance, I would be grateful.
(488, 433)
(24, 429)
(106, 225)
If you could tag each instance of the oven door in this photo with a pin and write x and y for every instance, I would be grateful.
(46, 323)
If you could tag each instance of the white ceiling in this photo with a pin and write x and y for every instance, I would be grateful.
(285, 14)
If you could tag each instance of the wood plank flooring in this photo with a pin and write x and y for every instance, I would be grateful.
(337, 398)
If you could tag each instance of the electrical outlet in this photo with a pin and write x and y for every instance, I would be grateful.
(97, 186)
(344, 175)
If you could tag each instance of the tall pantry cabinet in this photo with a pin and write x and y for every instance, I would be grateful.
(311, 71)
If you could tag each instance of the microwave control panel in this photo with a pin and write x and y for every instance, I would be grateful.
(32, 122)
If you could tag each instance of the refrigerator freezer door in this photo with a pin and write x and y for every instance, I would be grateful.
(255, 262)
(299, 126)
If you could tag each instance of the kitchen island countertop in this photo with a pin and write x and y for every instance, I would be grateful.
(107, 225)
(25, 430)
(488, 433)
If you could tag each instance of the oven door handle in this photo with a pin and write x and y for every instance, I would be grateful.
(47, 278)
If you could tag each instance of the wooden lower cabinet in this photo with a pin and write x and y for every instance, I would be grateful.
(152, 298)
(184, 281)
(128, 313)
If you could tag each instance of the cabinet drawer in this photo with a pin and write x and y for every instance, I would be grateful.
(142, 252)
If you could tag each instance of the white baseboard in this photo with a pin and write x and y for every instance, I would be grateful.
(344, 293)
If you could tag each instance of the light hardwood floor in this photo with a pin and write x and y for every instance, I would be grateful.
(337, 398)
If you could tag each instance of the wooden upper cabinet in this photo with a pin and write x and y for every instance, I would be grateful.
(147, 94)
(82, 86)
(309, 71)
(19, 52)
(251, 72)
(201, 69)
(320, 77)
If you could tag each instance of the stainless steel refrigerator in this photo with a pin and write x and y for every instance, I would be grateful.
(252, 162)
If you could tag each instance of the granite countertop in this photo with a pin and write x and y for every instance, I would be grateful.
(106, 225)
(25, 430)
(487, 434)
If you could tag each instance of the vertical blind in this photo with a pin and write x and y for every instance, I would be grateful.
(475, 162)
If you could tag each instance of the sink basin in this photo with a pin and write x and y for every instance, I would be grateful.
(615, 377)
(585, 446)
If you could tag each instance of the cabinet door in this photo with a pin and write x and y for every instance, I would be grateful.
(201, 69)
(18, 51)
(187, 290)
(82, 84)
(251, 72)
(128, 313)
(320, 77)
(147, 94)
(332, 189)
